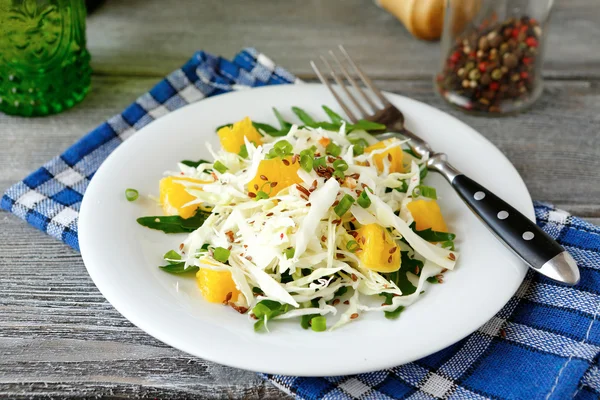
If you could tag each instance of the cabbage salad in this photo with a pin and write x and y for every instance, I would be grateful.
(317, 221)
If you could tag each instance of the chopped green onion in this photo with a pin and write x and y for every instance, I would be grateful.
(352, 246)
(309, 152)
(243, 152)
(218, 165)
(319, 162)
(333, 149)
(260, 195)
(306, 162)
(358, 149)
(289, 252)
(360, 141)
(425, 191)
(340, 165)
(339, 174)
(363, 200)
(221, 254)
(305, 320)
(319, 324)
(344, 205)
(284, 146)
(131, 194)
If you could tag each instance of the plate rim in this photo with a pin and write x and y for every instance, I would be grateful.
(148, 328)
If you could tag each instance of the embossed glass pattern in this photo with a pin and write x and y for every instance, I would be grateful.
(44, 64)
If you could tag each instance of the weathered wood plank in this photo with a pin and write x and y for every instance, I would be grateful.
(152, 38)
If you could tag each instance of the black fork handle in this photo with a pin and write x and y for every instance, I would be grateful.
(542, 253)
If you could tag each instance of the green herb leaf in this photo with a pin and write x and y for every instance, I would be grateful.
(448, 245)
(433, 279)
(305, 320)
(269, 309)
(243, 151)
(304, 117)
(423, 172)
(172, 257)
(341, 291)
(394, 314)
(223, 126)
(266, 128)
(174, 223)
(284, 124)
(388, 297)
(333, 116)
(179, 268)
(365, 125)
(399, 277)
(194, 164)
(433, 236)
(221, 254)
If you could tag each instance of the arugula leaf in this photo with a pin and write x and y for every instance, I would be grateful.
(268, 129)
(333, 116)
(172, 257)
(394, 314)
(365, 125)
(175, 224)
(304, 117)
(179, 268)
(399, 277)
(433, 236)
(194, 164)
(282, 122)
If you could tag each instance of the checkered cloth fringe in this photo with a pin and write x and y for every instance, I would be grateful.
(544, 344)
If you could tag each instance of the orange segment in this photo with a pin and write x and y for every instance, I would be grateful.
(378, 251)
(279, 174)
(216, 285)
(173, 196)
(232, 139)
(427, 214)
(395, 155)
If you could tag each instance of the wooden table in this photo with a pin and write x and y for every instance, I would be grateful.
(60, 337)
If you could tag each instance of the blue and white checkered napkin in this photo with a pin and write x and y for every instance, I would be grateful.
(544, 344)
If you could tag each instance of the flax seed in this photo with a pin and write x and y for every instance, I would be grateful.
(273, 184)
(346, 302)
(393, 250)
(270, 214)
(390, 258)
(417, 270)
(264, 178)
(303, 190)
(181, 246)
(286, 162)
(252, 195)
(451, 256)
(354, 277)
(228, 297)
(336, 302)
(354, 316)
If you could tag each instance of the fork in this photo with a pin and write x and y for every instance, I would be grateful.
(515, 230)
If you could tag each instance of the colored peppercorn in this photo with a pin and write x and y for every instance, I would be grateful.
(492, 67)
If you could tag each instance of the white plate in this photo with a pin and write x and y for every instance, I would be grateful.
(122, 257)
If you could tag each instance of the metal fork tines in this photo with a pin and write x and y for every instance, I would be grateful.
(360, 112)
(372, 106)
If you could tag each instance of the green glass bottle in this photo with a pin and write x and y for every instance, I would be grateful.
(44, 64)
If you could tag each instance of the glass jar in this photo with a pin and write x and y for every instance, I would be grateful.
(492, 62)
(44, 64)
